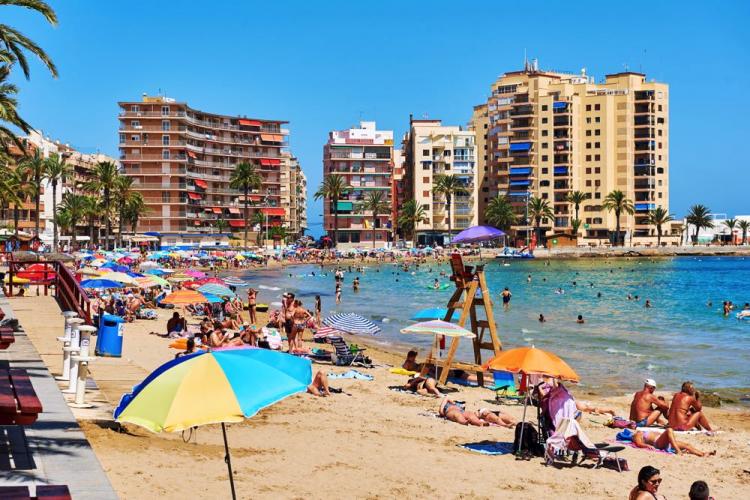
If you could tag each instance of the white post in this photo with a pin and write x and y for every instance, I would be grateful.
(70, 320)
(73, 349)
(83, 359)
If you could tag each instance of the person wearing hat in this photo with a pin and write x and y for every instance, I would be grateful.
(646, 408)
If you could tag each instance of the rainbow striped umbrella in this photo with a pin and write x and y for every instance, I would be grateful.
(226, 385)
(439, 327)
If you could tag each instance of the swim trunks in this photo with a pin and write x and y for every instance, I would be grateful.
(642, 423)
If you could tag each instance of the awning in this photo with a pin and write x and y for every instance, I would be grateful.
(196, 222)
(237, 222)
(216, 210)
(273, 211)
(267, 137)
(344, 206)
(201, 184)
(520, 171)
(207, 209)
(561, 170)
(270, 162)
(249, 123)
(234, 211)
(559, 105)
(194, 196)
(520, 183)
(192, 155)
(520, 146)
(645, 206)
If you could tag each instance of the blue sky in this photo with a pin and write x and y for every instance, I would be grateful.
(325, 65)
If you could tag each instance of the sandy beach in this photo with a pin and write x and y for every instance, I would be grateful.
(368, 442)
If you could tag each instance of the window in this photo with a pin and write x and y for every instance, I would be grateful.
(597, 183)
(425, 152)
(545, 196)
(597, 119)
(659, 195)
(660, 145)
(544, 120)
(597, 107)
(165, 125)
(545, 170)
(588, 183)
(588, 170)
(597, 196)
(426, 206)
(597, 170)
(544, 133)
(165, 140)
(660, 132)
(165, 154)
(544, 157)
(165, 196)
(543, 183)
(588, 119)
(135, 137)
(426, 194)
(165, 110)
(588, 133)
(597, 157)
(588, 107)
(588, 157)
(597, 220)
(588, 220)
(447, 152)
(660, 170)
(597, 145)
(355, 237)
(135, 124)
(425, 179)
(660, 107)
(588, 145)
(544, 107)
(122, 138)
(597, 132)
(659, 182)
(134, 108)
(425, 166)
(545, 145)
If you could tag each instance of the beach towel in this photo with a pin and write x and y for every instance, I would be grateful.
(402, 371)
(662, 429)
(632, 445)
(398, 388)
(488, 447)
(561, 405)
(350, 374)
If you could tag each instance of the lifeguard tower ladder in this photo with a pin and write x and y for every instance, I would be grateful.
(471, 291)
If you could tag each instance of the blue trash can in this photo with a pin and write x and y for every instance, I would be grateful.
(109, 337)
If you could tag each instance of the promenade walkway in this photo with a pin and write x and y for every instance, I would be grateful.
(53, 450)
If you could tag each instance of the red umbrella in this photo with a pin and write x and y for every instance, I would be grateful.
(36, 272)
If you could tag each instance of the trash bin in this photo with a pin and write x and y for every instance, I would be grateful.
(109, 338)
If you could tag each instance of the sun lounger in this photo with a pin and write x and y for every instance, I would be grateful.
(569, 438)
(342, 356)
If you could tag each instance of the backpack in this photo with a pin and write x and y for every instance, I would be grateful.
(530, 442)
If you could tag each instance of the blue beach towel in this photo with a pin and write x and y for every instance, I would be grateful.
(489, 447)
(350, 374)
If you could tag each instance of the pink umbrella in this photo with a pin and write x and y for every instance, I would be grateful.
(125, 260)
(195, 273)
(218, 281)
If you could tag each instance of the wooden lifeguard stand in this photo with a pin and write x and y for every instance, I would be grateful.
(471, 291)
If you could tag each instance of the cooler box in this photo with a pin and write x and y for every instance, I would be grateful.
(109, 337)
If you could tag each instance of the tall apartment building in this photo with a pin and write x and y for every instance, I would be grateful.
(181, 160)
(486, 189)
(294, 195)
(552, 133)
(432, 149)
(363, 156)
(398, 191)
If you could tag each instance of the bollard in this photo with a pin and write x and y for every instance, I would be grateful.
(70, 321)
(82, 360)
(73, 349)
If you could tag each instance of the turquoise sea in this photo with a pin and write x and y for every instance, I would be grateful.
(680, 338)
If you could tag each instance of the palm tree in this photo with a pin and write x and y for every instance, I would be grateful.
(75, 206)
(277, 233)
(246, 178)
(332, 188)
(55, 172)
(699, 216)
(658, 217)
(93, 213)
(577, 198)
(22, 190)
(62, 220)
(377, 205)
(8, 188)
(15, 44)
(258, 220)
(744, 225)
(731, 223)
(410, 215)
(121, 195)
(33, 168)
(449, 185)
(618, 202)
(9, 111)
(133, 210)
(220, 225)
(539, 208)
(500, 212)
(105, 181)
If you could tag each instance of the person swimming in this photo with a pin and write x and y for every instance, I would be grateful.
(542, 319)
(436, 284)
(580, 319)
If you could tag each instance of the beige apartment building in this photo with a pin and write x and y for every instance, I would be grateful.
(181, 159)
(432, 149)
(552, 133)
(363, 156)
(294, 195)
(479, 125)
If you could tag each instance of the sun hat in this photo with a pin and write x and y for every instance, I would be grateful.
(650, 382)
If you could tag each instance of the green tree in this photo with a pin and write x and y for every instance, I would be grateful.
(33, 168)
(92, 213)
(105, 181)
(134, 209)
(75, 206)
(15, 44)
(9, 116)
(277, 233)
(56, 170)
(744, 225)
(618, 202)
(122, 193)
(700, 217)
(220, 225)
(258, 220)
(500, 213)
(576, 225)
(449, 185)
(539, 209)
(410, 215)
(8, 194)
(577, 198)
(657, 218)
(376, 204)
(62, 220)
(731, 224)
(245, 178)
(22, 191)
(332, 189)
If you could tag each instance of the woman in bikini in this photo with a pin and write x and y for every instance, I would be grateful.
(665, 441)
(300, 316)
(424, 386)
(252, 294)
(456, 412)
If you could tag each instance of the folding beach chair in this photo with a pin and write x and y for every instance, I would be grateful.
(342, 356)
(569, 438)
(505, 388)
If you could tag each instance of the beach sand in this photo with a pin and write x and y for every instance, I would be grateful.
(365, 443)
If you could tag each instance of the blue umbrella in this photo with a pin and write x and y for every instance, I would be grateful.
(216, 289)
(351, 323)
(155, 272)
(212, 299)
(476, 234)
(109, 265)
(101, 283)
(434, 313)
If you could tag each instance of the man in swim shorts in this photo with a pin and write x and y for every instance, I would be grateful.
(506, 295)
(646, 408)
(686, 413)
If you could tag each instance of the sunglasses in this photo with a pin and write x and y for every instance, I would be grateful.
(655, 482)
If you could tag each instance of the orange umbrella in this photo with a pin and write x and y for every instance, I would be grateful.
(184, 297)
(532, 361)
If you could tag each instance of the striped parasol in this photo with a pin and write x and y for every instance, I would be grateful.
(351, 323)
(218, 290)
(325, 332)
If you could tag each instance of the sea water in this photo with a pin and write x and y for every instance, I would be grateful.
(684, 336)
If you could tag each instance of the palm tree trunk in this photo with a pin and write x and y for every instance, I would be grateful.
(450, 226)
(54, 214)
(15, 219)
(36, 203)
(617, 227)
(658, 236)
(335, 222)
(108, 229)
(374, 218)
(91, 231)
(119, 225)
(245, 213)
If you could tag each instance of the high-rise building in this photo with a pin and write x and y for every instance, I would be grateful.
(181, 160)
(363, 156)
(552, 133)
(432, 149)
(486, 190)
(294, 196)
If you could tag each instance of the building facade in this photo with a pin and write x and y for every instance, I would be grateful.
(552, 133)
(363, 156)
(432, 149)
(181, 159)
(294, 196)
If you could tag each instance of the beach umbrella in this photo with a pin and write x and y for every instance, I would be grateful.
(438, 328)
(87, 271)
(16, 280)
(178, 278)
(325, 332)
(218, 290)
(101, 283)
(351, 323)
(184, 297)
(434, 313)
(195, 273)
(477, 234)
(226, 385)
(212, 299)
(149, 264)
(121, 277)
(218, 281)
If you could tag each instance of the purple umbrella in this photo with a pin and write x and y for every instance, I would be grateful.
(476, 234)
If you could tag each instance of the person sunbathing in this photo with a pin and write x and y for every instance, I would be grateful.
(231, 323)
(665, 441)
(220, 338)
(646, 408)
(456, 412)
(176, 324)
(424, 386)
(686, 411)
(585, 407)
(319, 386)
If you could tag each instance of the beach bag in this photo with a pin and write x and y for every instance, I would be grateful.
(622, 423)
(530, 440)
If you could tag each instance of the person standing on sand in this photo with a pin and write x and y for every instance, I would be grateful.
(252, 295)
(506, 295)
(646, 409)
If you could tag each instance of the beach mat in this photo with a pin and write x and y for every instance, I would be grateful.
(662, 429)
(632, 445)
(488, 447)
(350, 374)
